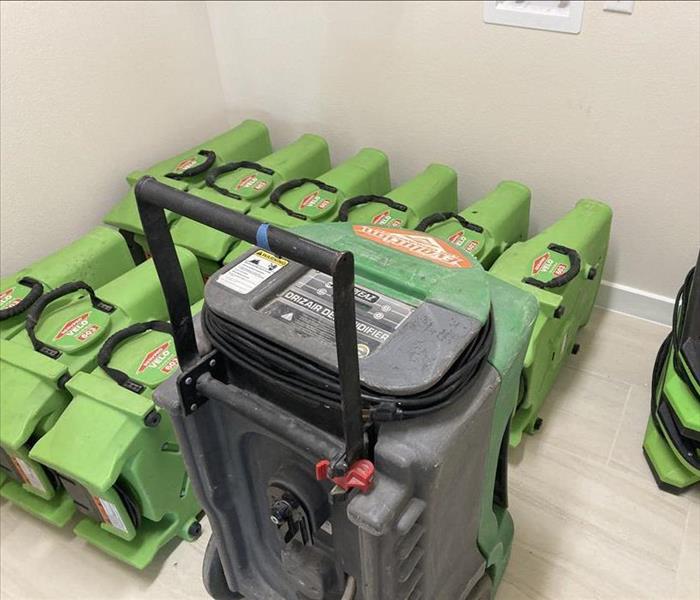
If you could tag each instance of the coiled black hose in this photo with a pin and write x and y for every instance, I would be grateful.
(273, 365)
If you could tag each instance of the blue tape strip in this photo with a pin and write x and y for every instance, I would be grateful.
(261, 236)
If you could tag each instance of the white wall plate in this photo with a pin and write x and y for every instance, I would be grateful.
(554, 15)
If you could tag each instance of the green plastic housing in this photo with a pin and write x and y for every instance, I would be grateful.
(514, 313)
(504, 217)
(33, 390)
(672, 473)
(365, 173)
(248, 141)
(562, 309)
(433, 190)
(96, 258)
(672, 470)
(306, 157)
(102, 440)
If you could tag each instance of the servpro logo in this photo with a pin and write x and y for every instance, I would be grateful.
(539, 263)
(314, 200)
(7, 300)
(384, 219)
(252, 182)
(161, 357)
(185, 164)
(417, 244)
(78, 328)
(459, 239)
(545, 263)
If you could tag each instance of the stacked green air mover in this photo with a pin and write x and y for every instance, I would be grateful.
(486, 228)
(247, 142)
(302, 202)
(672, 439)
(95, 259)
(562, 267)
(43, 370)
(85, 343)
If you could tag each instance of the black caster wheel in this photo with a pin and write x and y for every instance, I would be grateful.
(482, 590)
(213, 575)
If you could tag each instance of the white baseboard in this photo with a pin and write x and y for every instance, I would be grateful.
(635, 302)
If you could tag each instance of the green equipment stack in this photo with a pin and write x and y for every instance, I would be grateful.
(562, 267)
(244, 185)
(488, 227)
(672, 439)
(248, 141)
(116, 454)
(96, 258)
(433, 190)
(301, 201)
(63, 330)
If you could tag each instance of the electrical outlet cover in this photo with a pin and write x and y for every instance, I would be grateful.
(555, 15)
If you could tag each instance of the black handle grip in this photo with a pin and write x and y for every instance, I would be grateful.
(229, 168)
(37, 289)
(36, 310)
(153, 198)
(351, 203)
(574, 268)
(446, 216)
(292, 184)
(113, 341)
(196, 169)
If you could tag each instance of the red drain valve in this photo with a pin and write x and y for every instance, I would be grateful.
(359, 476)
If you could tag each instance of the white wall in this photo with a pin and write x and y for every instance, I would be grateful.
(91, 91)
(612, 113)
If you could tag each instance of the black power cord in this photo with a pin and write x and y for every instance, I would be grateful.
(679, 314)
(276, 367)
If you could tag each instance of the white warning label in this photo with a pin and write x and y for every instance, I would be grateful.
(28, 474)
(250, 273)
(110, 514)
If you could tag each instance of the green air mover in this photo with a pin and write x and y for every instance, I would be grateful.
(300, 201)
(488, 227)
(64, 328)
(248, 141)
(434, 190)
(562, 267)
(244, 185)
(351, 431)
(114, 454)
(96, 258)
(672, 440)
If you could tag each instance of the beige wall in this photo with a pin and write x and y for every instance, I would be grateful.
(612, 113)
(91, 91)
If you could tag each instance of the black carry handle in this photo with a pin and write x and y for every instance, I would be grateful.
(196, 169)
(34, 313)
(446, 216)
(153, 197)
(229, 168)
(37, 289)
(108, 348)
(292, 184)
(574, 268)
(351, 203)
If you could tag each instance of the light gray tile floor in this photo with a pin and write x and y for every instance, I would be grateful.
(590, 522)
